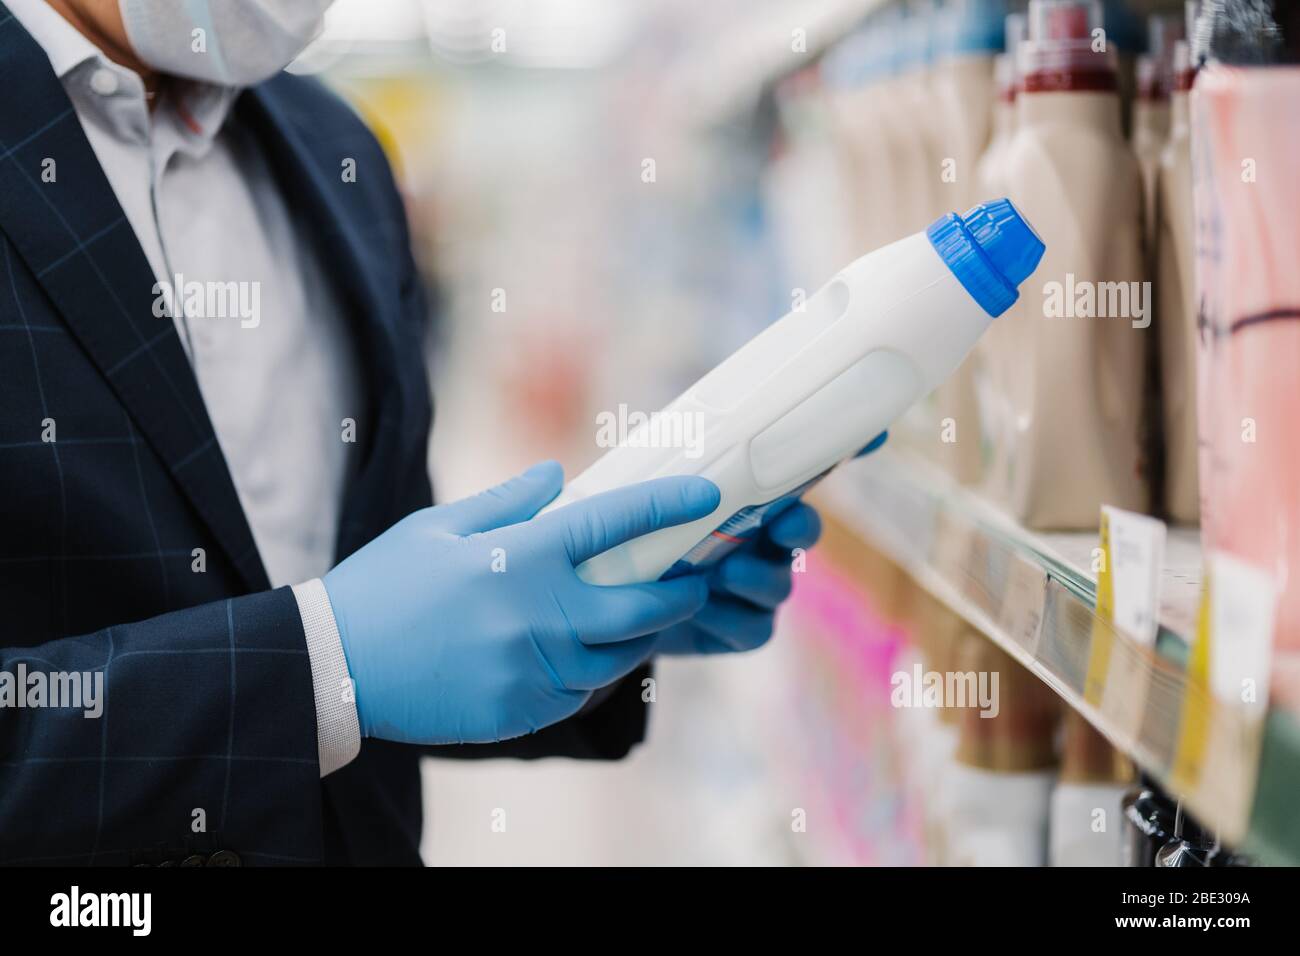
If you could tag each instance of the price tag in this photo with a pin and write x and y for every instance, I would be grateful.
(1226, 689)
(1129, 559)
(1134, 554)
(1023, 598)
(1243, 603)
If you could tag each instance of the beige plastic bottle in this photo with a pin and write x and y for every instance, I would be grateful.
(995, 348)
(1176, 301)
(1075, 388)
(908, 97)
(923, 24)
(1150, 128)
(989, 169)
(853, 73)
(903, 96)
(968, 88)
(969, 39)
(804, 185)
(1151, 113)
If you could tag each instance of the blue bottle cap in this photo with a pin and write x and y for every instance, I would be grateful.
(973, 26)
(991, 250)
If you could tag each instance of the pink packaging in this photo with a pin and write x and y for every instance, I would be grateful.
(850, 764)
(1246, 161)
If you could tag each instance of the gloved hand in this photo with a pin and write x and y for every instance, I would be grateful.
(466, 623)
(747, 585)
(745, 589)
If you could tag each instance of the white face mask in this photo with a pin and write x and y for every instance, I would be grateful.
(231, 42)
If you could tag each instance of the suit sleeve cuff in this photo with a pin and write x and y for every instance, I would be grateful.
(338, 732)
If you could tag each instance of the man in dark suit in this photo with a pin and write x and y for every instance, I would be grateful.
(211, 394)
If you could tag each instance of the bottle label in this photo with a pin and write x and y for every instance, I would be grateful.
(737, 530)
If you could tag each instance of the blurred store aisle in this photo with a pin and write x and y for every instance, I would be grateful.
(696, 792)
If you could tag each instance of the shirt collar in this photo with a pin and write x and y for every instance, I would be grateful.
(113, 96)
(63, 43)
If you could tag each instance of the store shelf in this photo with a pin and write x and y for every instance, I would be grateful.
(1034, 595)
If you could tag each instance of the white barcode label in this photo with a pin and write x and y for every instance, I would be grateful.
(1136, 554)
(1243, 602)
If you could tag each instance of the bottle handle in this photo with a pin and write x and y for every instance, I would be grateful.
(817, 363)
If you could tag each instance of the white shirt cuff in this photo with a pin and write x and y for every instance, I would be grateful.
(338, 732)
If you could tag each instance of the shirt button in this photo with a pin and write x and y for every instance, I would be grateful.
(104, 81)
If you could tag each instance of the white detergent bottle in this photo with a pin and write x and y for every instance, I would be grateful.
(816, 386)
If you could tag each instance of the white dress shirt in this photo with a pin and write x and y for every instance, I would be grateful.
(274, 367)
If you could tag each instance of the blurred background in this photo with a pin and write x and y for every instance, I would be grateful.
(609, 196)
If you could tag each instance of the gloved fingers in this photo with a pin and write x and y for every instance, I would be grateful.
(679, 640)
(873, 444)
(729, 625)
(798, 526)
(603, 521)
(603, 615)
(761, 581)
(696, 643)
(596, 667)
(508, 503)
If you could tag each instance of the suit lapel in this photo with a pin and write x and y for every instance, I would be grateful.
(76, 240)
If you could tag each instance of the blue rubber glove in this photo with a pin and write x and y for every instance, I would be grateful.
(745, 589)
(747, 585)
(466, 623)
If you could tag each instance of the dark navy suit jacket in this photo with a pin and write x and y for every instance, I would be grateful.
(206, 747)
